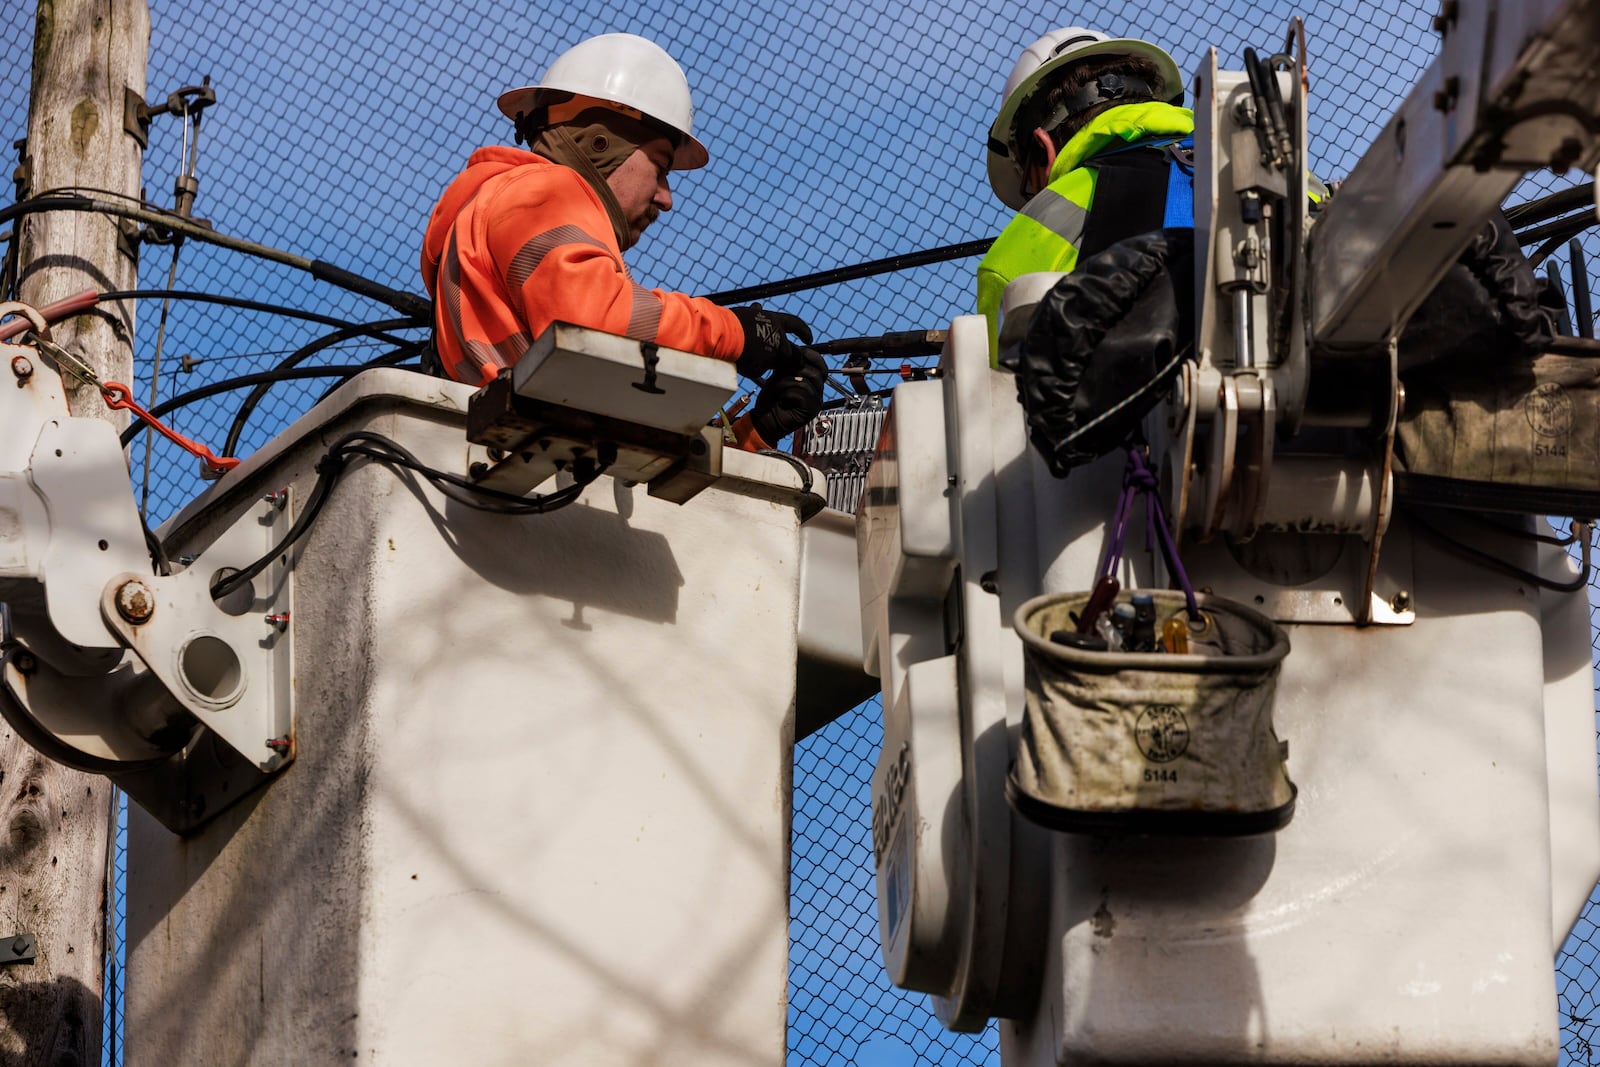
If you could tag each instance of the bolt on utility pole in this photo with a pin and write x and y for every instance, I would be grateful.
(56, 824)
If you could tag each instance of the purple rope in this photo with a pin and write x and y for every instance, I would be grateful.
(1138, 478)
(1119, 531)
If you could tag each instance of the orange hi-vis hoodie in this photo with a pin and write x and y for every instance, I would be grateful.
(518, 242)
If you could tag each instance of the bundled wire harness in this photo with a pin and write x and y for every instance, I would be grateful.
(364, 444)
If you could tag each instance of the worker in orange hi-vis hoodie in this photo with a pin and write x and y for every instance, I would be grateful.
(522, 239)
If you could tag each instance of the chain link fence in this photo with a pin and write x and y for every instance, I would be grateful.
(839, 134)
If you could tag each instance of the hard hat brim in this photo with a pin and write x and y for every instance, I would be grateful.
(1004, 174)
(690, 154)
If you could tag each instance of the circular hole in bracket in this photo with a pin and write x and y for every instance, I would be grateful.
(238, 600)
(210, 667)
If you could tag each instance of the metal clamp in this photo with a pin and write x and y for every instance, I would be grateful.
(18, 948)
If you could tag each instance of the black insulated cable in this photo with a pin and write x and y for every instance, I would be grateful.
(1548, 207)
(868, 269)
(1582, 311)
(379, 449)
(1582, 532)
(403, 302)
(1558, 231)
(396, 358)
(411, 322)
(248, 406)
(243, 381)
(421, 308)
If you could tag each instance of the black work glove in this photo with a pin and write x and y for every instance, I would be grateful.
(1104, 344)
(1486, 307)
(766, 345)
(791, 398)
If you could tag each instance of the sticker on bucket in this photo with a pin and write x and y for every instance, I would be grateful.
(1162, 733)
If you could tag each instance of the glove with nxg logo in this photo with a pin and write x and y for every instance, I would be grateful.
(766, 342)
(791, 397)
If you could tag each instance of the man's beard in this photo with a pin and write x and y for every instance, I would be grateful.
(643, 223)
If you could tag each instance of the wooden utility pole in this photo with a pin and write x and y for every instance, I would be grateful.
(88, 55)
(56, 825)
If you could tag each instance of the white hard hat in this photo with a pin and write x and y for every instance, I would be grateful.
(626, 72)
(1049, 53)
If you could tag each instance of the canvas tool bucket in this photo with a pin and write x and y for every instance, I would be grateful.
(1152, 742)
(1517, 435)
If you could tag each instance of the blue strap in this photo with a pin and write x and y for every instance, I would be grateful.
(1180, 191)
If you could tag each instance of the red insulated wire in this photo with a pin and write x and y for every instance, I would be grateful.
(117, 395)
(72, 305)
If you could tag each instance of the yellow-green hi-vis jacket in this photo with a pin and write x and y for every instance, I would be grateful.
(1047, 233)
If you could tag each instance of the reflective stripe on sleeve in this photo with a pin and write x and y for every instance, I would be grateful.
(480, 353)
(1057, 214)
(645, 318)
(531, 254)
(502, 353)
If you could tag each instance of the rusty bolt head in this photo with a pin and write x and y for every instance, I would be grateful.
(135, 602)
(279, 621)
(22, 367)
(1400, 602)
(280, 745)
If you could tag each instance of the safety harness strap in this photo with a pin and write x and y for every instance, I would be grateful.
(1137, 189)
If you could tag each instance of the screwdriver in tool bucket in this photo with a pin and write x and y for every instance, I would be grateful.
(1105, 591)
(1083, 634)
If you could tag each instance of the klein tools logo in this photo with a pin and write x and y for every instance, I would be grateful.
(1549, 410)
(1162, 733)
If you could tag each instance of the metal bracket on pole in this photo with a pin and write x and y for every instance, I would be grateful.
(18, 948)
(185, 700)
(231, 665)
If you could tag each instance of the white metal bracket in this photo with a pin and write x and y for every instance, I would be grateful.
(1231, 439)
(232, 669)
(202, 711)
(578, 395)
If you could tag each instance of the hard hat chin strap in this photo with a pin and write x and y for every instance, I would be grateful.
(528, 124)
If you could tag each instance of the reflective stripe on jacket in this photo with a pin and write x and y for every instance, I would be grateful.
(1047, 233)
(518, 242)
